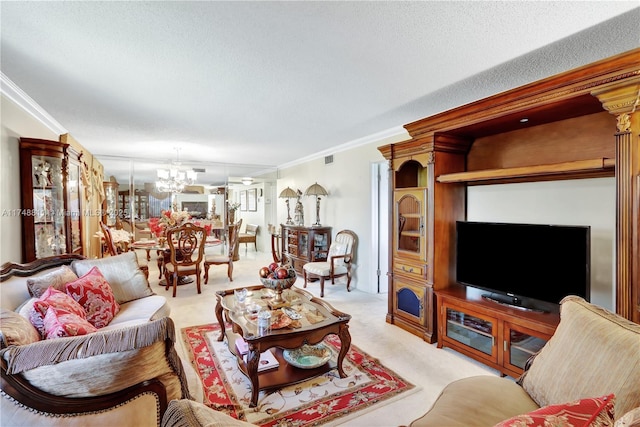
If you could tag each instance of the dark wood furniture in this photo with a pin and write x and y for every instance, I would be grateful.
(226, 258)
(578, 124)
(328, 321)
(499, 336)
(301, 245)
(136, 207)
(186, 251)
(52, 188)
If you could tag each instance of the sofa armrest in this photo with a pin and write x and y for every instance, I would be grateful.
(101, 363)
(23, 392)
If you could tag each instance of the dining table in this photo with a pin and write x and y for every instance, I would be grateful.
(164, 253)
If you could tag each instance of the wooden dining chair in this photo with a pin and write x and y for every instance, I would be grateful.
(226, 258)
(186, 251)
(112, 248)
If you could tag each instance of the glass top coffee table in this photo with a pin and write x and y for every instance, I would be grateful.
(308, 321)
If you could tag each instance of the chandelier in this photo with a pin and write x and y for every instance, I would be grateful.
(174, 179)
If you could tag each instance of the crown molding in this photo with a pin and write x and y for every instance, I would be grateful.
(10, 90)
(394, 132)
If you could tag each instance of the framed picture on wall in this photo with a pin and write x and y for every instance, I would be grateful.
(243, 200)
(252, 199)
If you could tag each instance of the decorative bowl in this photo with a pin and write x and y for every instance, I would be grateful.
(308, 356)
(279, 285)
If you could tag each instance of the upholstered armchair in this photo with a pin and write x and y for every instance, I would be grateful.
(340, 259)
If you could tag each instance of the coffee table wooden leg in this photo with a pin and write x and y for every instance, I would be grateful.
(252, 370)
(219, 311)
(345, 343)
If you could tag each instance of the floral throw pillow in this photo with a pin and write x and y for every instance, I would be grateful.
(94, 294)
(592, 412)
(59, 322)
(52, 298)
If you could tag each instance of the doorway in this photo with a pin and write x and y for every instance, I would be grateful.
(380, 202)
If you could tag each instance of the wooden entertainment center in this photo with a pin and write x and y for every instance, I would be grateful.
(584, 123)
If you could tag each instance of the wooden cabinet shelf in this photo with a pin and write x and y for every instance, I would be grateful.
(592, 167)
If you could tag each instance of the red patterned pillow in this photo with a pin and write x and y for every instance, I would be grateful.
(52, 298)
(593, 412)
(94, 293)
(59, 322)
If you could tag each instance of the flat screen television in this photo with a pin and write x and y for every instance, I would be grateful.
(530, 266)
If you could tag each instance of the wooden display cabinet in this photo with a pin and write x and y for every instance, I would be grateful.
(499, 336)
(51, 199)
(301, 245)
(423, 219)
(136, 208)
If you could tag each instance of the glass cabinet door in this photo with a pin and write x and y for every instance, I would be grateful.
(48, 206)
(475, 332)
(410, 238)
(320, 245)
(73, 208)
(520, 344)
(303, 244)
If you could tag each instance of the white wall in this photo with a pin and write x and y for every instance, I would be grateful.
(572, 202)
(348, 205)
(15, 123)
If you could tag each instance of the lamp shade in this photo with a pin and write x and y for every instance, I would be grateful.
(316, 190)
(288, 193)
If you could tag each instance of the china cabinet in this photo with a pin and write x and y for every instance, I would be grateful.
(51, 199)
(110, 205)
(301, 245)
(136, 207)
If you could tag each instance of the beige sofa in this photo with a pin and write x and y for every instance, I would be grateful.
(592, 353)
(124, 374)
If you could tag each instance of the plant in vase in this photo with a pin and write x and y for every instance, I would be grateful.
(168, 219)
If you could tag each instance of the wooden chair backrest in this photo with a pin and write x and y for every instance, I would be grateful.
(108, 238)
(186, 244)
(234, 232)
(350, 239)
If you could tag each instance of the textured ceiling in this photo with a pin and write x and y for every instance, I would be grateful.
(243, 87)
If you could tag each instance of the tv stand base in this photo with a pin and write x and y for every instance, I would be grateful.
(514, 303)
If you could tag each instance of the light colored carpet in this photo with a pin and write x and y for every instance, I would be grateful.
(424, 365)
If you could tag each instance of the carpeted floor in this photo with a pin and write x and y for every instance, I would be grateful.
(420, 363)
(368, 385)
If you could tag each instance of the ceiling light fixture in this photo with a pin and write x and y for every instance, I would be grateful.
(174, 179)
(247, 180)
(316, 190)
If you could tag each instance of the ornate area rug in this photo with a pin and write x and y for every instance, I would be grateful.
(314, 402)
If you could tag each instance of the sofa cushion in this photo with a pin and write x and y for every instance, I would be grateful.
(94, 294)
(59, 322)
(56, 279)
(589, 412)
(123, 274)
(52, 298)
(593, 352)
(15, 329)
(477, 401)
(141, 310)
